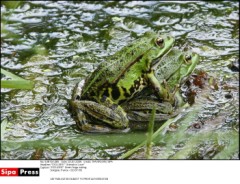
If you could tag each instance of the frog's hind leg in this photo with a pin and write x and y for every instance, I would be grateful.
(96, 117)
(85, 125)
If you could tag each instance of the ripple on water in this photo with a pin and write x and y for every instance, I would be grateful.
(59, 43)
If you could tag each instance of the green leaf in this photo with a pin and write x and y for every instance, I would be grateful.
(150, 133)
(11, 4)
(16, 82)
(3, 128)
(9, 74)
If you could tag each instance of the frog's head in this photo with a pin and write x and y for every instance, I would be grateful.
(161, 45)
(191, 59)
(185, 63)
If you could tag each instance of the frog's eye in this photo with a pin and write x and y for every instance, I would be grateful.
(188, 59)
(159, 41)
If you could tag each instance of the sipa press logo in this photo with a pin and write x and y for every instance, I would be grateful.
(19, 171)
(8, 171)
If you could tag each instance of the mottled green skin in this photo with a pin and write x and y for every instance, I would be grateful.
(174, 68)
(117, 80)
(184, 71)
(171, 71)
(125, 73)
(169, 64)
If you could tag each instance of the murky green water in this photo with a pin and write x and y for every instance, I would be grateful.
(57, 44)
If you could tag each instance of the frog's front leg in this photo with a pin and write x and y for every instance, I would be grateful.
(175, 94)
(161, 90)
(95, 117)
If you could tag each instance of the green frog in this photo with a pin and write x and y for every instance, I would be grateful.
(172, 71)
(96, 106)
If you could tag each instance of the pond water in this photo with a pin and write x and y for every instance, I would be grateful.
(57, 44)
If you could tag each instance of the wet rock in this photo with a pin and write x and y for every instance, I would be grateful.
(234, 65)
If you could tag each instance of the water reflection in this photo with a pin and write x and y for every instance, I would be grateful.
(58, 44)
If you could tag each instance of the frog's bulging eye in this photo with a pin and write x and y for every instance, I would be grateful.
(159, 41)
(188, 59)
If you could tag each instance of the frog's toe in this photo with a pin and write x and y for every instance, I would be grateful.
(95, 128)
